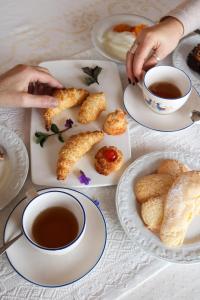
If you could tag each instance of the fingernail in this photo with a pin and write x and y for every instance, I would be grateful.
(129, 81)
(53, 102)
(136, 80)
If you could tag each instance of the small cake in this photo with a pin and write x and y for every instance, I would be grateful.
(193, 59)
(108, 159)
(115, 123)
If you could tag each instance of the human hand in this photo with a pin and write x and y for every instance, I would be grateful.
(154, 43)
(14, 87)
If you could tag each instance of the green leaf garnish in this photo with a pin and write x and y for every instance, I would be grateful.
(41, 137)
(93, 74)
(54, 128)
(60, 137)
(89, 80)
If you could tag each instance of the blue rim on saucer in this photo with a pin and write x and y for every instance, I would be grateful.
(103, 247)
(135, 99)
(58, 248)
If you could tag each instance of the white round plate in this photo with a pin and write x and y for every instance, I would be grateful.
(128, 211)
(137, 109)
(14, 168)
(57, 270)
(180, 54)
(105, 24)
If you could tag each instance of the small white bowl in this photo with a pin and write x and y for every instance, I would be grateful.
(47, 200)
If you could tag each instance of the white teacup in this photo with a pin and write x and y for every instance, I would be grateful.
(171, 75)
(48, 200)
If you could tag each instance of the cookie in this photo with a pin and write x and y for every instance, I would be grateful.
(152, 212)
(180, 208)
(152, 186)
(172, 167)
(108, 160)
(115, 123)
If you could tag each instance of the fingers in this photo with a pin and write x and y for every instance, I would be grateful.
(28, 100)
(142, 53)
(129, 64)
(45, 77)
(42, 69)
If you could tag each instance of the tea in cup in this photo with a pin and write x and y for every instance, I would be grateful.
(54, 222)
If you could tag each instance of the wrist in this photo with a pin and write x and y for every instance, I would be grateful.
(176, 24)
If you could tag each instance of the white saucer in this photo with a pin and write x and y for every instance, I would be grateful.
(14, 168)
(180, 55)
(107, 23)
(142, 114)
(57, 270)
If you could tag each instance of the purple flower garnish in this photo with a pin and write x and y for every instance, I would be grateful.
(69, 123)
(96, 202)
(83, 178)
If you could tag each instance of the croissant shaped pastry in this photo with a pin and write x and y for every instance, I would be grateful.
(75, 147)
(180, 207)
(66, 98)
(91, 108)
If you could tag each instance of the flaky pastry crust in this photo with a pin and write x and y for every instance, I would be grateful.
(92, 108)
(75, 147)
(66, 98)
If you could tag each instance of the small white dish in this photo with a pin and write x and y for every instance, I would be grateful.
(180, 55)
(44, 160)
(142, 114)
(57, 270)
(53, 199)
(128, 210)
(107, 23)
(14, 167)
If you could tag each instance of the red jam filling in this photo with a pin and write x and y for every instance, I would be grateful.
(110, 155)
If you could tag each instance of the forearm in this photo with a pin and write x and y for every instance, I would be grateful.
(188, 13)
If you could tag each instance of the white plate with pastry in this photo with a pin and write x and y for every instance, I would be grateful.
(181, 53)
(143, 115)
(57, 270)
(114, 35)
(158, 202)
(14, 165)
(98, 121)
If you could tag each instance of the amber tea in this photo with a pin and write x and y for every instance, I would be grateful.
(55, 227)
(165, 90)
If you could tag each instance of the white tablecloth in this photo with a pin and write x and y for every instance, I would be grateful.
(33, 31)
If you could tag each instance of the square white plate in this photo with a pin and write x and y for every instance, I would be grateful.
(43, 160)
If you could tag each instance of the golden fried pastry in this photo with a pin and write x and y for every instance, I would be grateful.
(152, 186)
(75, 147)
(152, 212)
(92, 108)
(172, 167)
(115, 123)
(179, 209)
(108, 159)
(66, 98)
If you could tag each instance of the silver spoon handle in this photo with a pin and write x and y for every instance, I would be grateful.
(9, 243)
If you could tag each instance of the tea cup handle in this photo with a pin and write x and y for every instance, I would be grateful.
(195, 116)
